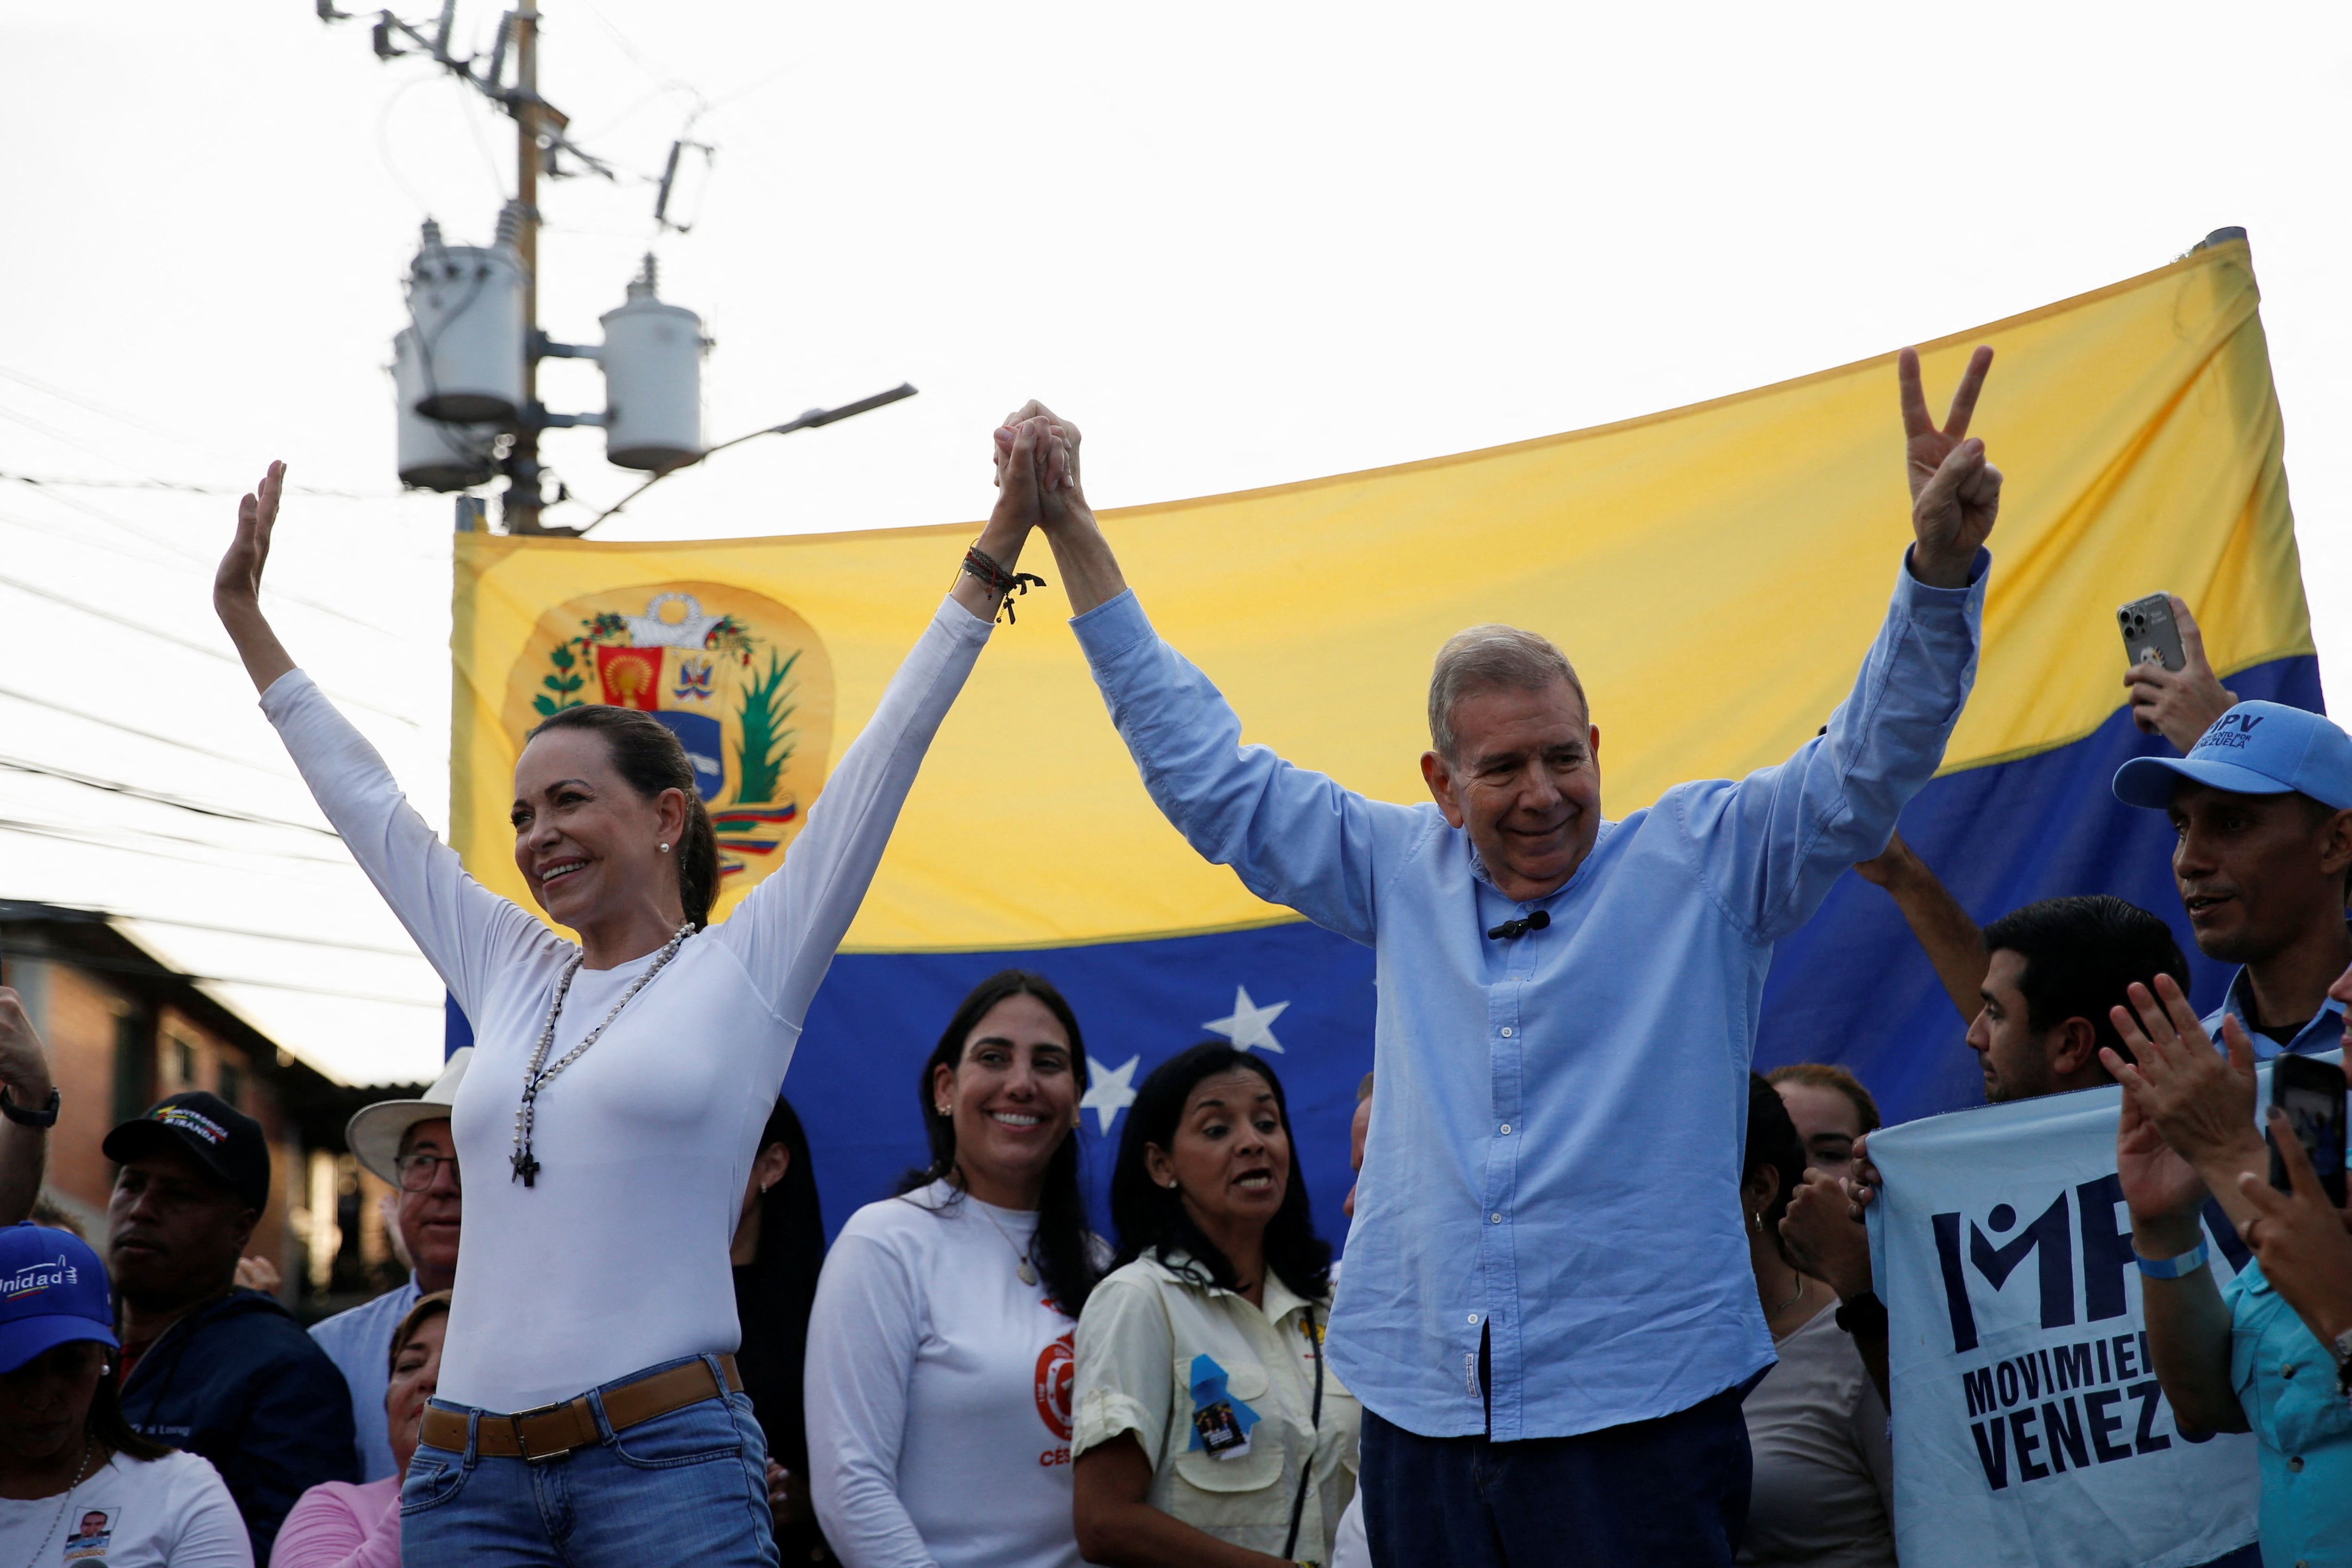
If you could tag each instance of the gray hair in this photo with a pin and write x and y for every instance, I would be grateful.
(1483, 658)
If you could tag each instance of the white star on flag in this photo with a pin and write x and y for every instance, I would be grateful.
(1250, 1027)
(1109, 1090)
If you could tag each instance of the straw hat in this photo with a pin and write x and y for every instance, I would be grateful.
(375, 1132)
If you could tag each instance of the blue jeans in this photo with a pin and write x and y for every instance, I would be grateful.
(688, 1487)
(1668, 1493)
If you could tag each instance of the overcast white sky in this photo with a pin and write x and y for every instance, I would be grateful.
(1242, 243)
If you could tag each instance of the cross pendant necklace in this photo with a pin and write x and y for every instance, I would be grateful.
(541, 1073)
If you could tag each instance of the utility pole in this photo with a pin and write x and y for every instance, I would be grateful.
(522, 500)
(659, 426)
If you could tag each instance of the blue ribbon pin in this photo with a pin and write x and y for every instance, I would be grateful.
(1209, 1388)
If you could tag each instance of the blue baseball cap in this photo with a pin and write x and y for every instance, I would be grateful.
(2255, 748)
(53, 1291)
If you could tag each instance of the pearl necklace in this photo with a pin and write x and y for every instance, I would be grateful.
(538, 1076)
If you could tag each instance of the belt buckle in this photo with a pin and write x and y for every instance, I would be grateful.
(522, 1444)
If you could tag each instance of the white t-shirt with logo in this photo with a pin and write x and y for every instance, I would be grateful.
(172, 1513)
(938, 1391)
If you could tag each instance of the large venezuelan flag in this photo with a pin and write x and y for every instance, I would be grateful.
(1716, 572)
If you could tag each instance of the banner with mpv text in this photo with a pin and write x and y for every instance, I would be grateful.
(2028, 1425)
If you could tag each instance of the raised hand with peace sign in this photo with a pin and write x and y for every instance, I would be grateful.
(1954, 492)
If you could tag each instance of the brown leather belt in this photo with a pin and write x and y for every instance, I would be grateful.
(556, 1429)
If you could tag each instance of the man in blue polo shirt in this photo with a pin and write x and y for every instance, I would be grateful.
(2263, 806)
(1549, 1310)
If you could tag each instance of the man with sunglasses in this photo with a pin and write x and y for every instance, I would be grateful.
(407, 1143)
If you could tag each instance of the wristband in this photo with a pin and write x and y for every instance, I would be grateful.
(2174, 1268)
(47, 1117)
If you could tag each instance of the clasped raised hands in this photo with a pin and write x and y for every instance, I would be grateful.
(1036, 454)
(1954, 492)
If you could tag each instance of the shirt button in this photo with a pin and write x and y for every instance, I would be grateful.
(1495, 1219)
(2295, 1463)
(1473, 1317)
(1507, 1031)
(2287, 1371)
(1506, 1128)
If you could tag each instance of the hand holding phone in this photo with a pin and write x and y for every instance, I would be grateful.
(2151, 635)
(2312, 1094)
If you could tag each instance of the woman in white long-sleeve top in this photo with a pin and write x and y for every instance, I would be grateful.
(939, 1352)
(618, 1086)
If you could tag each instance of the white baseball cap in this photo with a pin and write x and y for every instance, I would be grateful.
(375, 1131)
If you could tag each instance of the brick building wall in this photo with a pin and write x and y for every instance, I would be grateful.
(122, 1031)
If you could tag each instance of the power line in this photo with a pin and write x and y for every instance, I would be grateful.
(156, 797)
(186, 489)
(82, 836)
(165, 971)
(239, 931)
(179, 642)
(189, 557)
(142, 733)
(62, 395)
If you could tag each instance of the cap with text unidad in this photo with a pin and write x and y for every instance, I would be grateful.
(2255, 748)
(223, 1140)
(52, 1292)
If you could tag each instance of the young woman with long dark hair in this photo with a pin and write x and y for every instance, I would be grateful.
(939, 1353)
(1210, 1433)
(618, 1087)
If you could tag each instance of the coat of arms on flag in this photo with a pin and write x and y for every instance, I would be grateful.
(740, 680)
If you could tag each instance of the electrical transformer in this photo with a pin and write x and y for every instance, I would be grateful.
(466, 308)
(433, 456)
(652, 358)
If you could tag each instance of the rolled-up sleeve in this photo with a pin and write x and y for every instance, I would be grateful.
(1125, 1360)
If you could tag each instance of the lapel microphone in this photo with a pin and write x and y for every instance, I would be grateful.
(1511, 930)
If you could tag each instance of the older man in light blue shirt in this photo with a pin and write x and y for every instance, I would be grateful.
(1549, 1310)
(407, 1144)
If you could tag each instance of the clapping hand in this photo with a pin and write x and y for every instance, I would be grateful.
(1954, 492)
(2202, 1106)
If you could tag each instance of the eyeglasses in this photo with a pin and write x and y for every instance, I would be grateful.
(417, 1170)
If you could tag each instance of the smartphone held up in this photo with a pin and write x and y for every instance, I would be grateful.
(2312, 1093)
(2151, 632)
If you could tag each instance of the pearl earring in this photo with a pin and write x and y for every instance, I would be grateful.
(665, 849)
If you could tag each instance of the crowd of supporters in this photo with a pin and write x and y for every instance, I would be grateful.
(1620, 1311)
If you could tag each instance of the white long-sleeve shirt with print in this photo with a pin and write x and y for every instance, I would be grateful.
(938, 1390)
(617, 1260)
